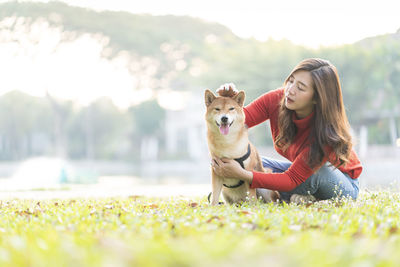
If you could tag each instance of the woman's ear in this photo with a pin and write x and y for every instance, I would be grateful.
(239, 98)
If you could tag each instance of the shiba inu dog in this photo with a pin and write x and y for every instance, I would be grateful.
(227, 137)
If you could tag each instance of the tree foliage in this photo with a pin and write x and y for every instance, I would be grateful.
(211, 55)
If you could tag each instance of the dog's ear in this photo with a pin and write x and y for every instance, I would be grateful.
(209, 97)
(240, 98)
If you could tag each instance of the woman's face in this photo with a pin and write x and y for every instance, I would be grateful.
(299, 93)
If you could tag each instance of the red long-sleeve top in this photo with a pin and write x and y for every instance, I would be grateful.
(267, 107)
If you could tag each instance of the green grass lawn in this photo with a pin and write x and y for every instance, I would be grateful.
(139, 231)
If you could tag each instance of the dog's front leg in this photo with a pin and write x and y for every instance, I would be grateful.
(216, 183)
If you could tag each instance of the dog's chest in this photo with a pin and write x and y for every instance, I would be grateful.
(231, 150)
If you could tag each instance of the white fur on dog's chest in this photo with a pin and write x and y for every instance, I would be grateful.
(230, 149)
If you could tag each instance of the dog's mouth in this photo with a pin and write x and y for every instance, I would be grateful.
(224, 127)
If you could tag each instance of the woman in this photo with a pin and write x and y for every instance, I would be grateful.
(310, 128)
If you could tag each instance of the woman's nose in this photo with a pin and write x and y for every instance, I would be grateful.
(289, 89)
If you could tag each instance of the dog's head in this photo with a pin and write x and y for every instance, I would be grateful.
(225, 112)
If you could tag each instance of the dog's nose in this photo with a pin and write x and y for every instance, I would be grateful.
(224, 119)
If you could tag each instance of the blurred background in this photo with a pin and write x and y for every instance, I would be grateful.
(111, 92)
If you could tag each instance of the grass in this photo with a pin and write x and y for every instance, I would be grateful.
(140, 231)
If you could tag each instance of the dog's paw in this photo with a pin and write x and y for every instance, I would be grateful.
(268, 195)
(213, 204)
(275, 196)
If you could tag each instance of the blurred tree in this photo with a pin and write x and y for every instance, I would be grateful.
(61, 112)
(148, 118)
(100, 131)
(182, 53)
(22, 117)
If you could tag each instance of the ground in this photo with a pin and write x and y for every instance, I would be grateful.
(185, 231)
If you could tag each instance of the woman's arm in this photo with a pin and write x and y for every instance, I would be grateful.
(286, 181)
(260, 109)
(297, 173)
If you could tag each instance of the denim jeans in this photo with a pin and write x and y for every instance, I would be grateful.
(328, 182)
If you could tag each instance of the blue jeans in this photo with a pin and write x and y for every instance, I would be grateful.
(328, 182)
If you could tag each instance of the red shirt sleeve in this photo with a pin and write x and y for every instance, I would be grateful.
(297, 173)
(260, 109)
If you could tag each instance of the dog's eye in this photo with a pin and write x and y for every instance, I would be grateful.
(231, 108)
(217, 109)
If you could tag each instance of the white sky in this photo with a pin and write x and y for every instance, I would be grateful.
(34, 60)
(307, 22)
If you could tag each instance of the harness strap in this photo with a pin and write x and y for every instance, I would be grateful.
(241, 162)
(242, 159)
(235, 185)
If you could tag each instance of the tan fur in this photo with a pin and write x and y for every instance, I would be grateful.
(233, 145)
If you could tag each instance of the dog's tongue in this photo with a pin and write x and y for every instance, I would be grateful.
(224, 129)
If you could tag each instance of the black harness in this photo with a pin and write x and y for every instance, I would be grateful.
(241, 162)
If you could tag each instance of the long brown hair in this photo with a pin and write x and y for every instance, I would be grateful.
(330, 127)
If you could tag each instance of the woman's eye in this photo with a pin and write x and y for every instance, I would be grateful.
(232, 109)
(300, 88)
(217, 109)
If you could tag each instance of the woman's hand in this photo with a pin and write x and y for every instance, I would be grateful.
(229, 168)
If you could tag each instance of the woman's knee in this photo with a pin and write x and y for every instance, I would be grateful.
(332, 183)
